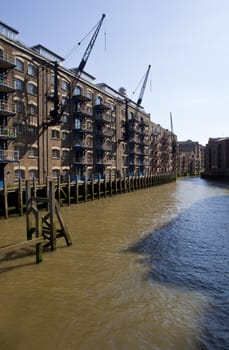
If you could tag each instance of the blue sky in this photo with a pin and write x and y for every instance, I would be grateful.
(185, 41)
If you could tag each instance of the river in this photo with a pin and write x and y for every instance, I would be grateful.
(147, 270)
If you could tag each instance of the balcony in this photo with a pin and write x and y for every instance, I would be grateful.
(102, 118)
(6, 109)
(83, 145)
(83, 128)
(83, 113)
(6, 61)
(84, 161)
(105, 132)
(8, 156)
(81, 98)
(103, 162)
(104, 147)
(6, 85)
(101, 107)
(7, 133)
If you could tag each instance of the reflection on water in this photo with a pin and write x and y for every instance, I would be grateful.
(147, 270)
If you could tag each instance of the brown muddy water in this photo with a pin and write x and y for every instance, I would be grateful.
(147, 270)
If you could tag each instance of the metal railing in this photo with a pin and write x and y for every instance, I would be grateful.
(9, 156)
(8, 131)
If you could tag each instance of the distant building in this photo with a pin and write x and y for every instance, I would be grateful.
(217, 158)
(190, 158)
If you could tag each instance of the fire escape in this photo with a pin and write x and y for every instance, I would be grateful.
(82, 134)
(103, 138)
(7, 110)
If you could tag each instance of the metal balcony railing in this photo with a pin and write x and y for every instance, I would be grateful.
(6, 108)
(6, 84)
(8, 156)
(7, 132)
(6, 61)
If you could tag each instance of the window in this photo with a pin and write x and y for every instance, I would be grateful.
(65, 118)
(131, 116)
(52, 80)
(32, 109)
(20, 149)
(89, 110)
(19, 174)
(99, 100)
(20, 129)
(19, 107)
(56, 173)
(77, 90)
(33, 174)
(32, 89)
(19, 84)
(55, 134)
(64, 135)
(77, 123)
(32, 152)
(64, 101)
(65, 154)
(65, 85)
(32, 70)
(55, 153)
(89, 95)
(32, 130)
(19, 65)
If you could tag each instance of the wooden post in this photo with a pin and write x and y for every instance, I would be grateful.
(52, 211)
(69, 190)
(120, 185)
(27, 199)
(111, 186)
(116, 184)
(6, 209)
(77, 191)
(105, 186)
(92, 188)
(99, 187)
(20, 197)
(85, 189)
(58, 189)
(34, 188)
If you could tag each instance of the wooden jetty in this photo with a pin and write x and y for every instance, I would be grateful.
(46, 226)
(13, 199)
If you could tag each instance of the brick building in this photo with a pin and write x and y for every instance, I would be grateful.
(100, 132)
(190, 158)
(217, 157)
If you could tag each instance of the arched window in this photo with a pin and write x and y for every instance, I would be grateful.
(19, 65)
(99, 100)
(32, 89)
(19, 174)
(19, 106)
(77, 90)
(33, 174)
(32, 70)
(19, 84)
(55, 134)
(55, 173)
(55, 153)
(131, 117)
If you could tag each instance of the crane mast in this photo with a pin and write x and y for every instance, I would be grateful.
(90, 45)
(143, 87)
(55, 113)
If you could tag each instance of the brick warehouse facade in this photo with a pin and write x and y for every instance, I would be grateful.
(101, 133)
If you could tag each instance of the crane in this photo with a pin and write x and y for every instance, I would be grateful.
(139, 101)
(55, 113)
